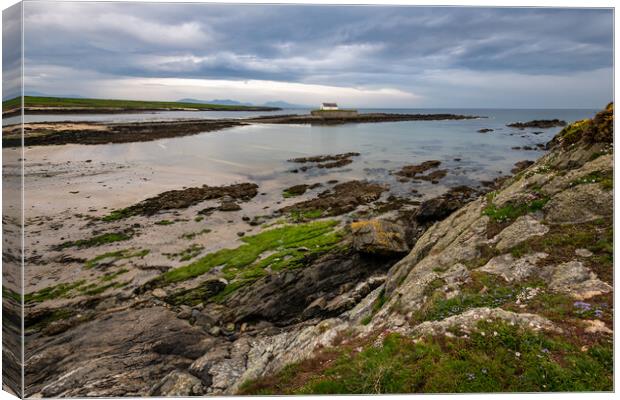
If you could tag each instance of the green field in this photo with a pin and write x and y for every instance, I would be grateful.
(34, 101)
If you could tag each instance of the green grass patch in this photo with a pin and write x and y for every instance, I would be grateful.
(605, 178)
(511, 212)
(297, 216)
(164, 222)
(52, 292)
(288, 246)
(98, 240)
(113, 256)
(10, 294)
(117, 215)
(484, 290)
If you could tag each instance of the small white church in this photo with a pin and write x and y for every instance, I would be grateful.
(329, 106)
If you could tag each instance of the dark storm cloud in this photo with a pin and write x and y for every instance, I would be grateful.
(365, 45)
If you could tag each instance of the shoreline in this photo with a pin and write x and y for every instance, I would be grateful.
(66, 132)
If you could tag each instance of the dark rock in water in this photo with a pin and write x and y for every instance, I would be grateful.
(178, 199)
(485, 130)
(521, 165)
(440, 207)
(411, 171)
(538, 123)
(228, 204)
(434, 176)
(324, 158)
(516, 148)
(296, 190)
(343, 198)
(325, 161)
(379, 237)
(528, 148)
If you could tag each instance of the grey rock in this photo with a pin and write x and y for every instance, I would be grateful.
(511, 269)
(178, 383)
(524, 228)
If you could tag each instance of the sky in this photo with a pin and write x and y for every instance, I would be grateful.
(357, 56)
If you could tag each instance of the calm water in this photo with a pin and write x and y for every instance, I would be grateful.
(259, 152)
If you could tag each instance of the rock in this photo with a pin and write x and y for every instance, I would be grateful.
(524, 228)
(596, 326)
(229, 205)
(240, 234)
(582, 203)
(178, 199)
(467, 321)
(412, 171)
(343, 198)
(215, 331)
(114, 354)
(314, 308)
(583, 253)
(200, 368)
(513, 270)
(574, 279)
(296, 190)
(521, 165)
(440, 207)
(485, 130)
(185, 312)
(538, 123)
(379, 237)
(159, 293)
(178, 383)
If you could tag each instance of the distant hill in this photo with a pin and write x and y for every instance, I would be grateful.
(225, 102)
(283, 104)
(229, 102)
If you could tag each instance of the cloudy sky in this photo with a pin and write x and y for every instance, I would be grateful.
(365, 56)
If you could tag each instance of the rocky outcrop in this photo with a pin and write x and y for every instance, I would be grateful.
(379, 237)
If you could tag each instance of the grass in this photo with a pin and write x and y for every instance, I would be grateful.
(604, 178)
(297, 216)
(497, 357)
(37, 101)
(117, 215)
(8, 293)
(284, 247)
(113, 256)
(52, 292)
(513, 211)
(94, 241)
(164, 222)
(497, 293)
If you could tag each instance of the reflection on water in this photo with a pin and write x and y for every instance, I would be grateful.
(259, 152)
